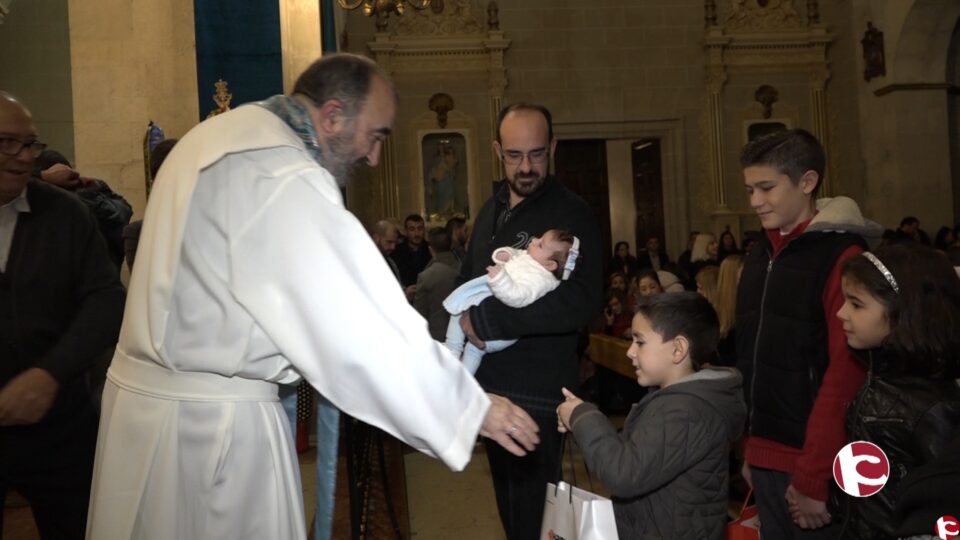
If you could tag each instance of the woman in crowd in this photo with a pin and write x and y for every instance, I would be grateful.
(704, 253)
(728, 246)
(726, 306)
(623, 261)
(945, 239)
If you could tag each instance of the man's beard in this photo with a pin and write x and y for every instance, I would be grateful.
(525, 184)
(339, 157)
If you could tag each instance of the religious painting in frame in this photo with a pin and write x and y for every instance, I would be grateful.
(445, 176)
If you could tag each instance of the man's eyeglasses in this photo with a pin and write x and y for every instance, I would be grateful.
(536, 157)
(13, 147)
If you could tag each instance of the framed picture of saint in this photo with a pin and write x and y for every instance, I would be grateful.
(445, 177)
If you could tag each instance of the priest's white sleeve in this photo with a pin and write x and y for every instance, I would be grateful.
(308, 273)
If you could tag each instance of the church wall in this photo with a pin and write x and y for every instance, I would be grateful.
(904, 133)
(132, 62)
(35, 67)
(612, 61)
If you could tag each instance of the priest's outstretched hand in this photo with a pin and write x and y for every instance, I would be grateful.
(510, 426)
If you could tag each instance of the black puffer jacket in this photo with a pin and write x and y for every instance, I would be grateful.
(913, 419)
(667, 470)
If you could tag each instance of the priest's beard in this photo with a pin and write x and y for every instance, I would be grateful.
(340, 155)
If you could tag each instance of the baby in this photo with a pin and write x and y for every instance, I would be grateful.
(517, 278)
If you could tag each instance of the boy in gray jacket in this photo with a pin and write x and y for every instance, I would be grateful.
(667, 470)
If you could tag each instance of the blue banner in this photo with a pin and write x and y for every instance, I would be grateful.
(238, 41)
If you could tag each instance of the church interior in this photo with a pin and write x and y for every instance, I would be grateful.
(652, 101)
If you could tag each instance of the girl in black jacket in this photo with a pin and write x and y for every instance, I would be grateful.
(902, 312)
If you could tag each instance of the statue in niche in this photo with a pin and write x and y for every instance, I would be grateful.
(445, 181)
(874, 61)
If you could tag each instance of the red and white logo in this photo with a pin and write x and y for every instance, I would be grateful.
(861, 469)
(948, 527)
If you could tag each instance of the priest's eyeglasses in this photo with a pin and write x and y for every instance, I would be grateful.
(13, 147)
(535, 157)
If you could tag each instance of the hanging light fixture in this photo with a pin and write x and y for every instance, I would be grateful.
(382, 8)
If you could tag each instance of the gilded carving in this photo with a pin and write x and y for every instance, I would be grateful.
(456, 20)
(762, 15)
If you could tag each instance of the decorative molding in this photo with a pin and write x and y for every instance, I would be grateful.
(904, 87)
(4, 9)
(467, 51)
(762, 15)
(762, 37)
(456, 21)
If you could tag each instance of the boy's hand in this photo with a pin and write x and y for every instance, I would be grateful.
(566, 409)
(806, 512)
(493, 270)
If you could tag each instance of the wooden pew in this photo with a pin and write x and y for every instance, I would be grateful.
(611, 353)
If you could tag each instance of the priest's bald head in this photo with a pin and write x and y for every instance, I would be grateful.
(352, 104)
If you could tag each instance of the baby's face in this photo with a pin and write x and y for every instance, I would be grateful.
(542, 248)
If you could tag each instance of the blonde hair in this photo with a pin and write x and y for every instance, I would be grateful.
(726, 304)
(707, 283)
(699, 250)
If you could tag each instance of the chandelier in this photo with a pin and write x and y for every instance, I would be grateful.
(382, 8)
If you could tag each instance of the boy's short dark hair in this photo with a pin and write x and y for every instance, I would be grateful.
(909, 220)
(439, 239)
(686, 314)
(455, 223)
(791, 152)
(416, 218)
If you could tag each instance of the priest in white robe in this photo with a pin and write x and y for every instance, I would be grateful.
(251, 273)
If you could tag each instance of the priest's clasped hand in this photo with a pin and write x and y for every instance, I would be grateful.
(510, 426)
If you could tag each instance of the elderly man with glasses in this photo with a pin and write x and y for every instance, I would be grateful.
(60, 307)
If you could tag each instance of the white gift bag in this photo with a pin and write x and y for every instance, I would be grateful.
(571, 513)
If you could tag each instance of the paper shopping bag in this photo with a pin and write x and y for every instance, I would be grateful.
(571, 513)
(747, 527)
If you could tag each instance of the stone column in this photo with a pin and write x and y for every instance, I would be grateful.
(818, 109)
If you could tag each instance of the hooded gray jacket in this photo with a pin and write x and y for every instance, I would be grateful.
(668, 469)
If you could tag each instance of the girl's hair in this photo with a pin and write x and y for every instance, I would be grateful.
(648, 273)
(614, 275)
(699, 251)
(924, 316)
(706, 280)
(687, 314)
(616, 248)
(940, 242)
(726, 303)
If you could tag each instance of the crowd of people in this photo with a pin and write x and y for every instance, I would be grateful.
(251, 275)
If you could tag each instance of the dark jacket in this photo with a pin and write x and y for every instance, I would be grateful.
(668, 469)
(782, 345)
(913, 420)
(61, 302)
(410, 262)
(532, 371)
(434, 284)
(644, 261)
(112, 212)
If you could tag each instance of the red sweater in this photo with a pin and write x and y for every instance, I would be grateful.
(812, 465)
